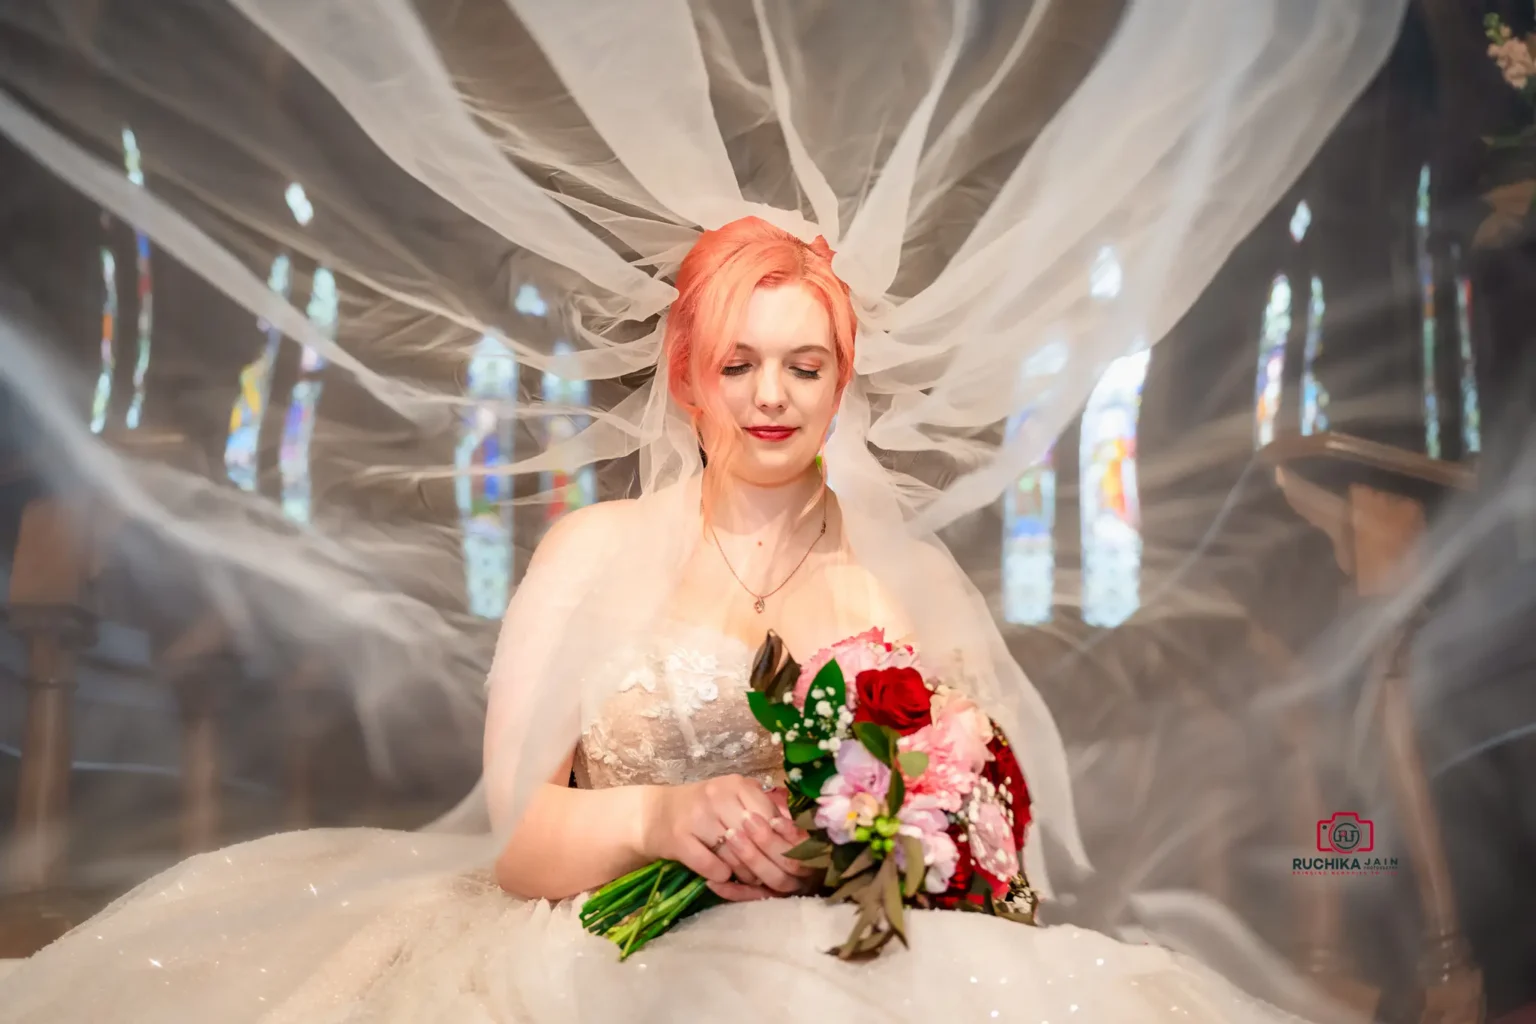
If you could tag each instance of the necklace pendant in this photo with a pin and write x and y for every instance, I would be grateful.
(758, 606)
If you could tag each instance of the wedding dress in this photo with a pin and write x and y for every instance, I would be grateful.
(1010, 223)
(455, 947)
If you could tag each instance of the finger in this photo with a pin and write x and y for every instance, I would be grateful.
(787, 830)
(780, 798)
(753, 800)
(761, 865)
(738, 893)
(698, 859)
(776, 847)
(739, 869)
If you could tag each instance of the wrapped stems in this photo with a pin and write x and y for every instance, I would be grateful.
(632, 910)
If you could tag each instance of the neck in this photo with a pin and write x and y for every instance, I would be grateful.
(746, 508)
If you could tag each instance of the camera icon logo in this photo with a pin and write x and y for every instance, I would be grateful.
(1346, 832)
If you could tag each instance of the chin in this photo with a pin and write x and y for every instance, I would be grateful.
(771, 469)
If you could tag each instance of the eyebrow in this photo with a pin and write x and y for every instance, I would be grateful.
(797, 351)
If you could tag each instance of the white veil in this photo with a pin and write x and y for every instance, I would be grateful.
(1017, 193)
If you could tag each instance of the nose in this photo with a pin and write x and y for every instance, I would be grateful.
(770, 390)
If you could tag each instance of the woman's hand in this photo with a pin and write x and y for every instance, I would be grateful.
(729, 831)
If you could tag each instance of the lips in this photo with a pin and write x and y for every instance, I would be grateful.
(772, 433)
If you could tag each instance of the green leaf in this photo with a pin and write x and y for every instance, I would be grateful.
(801, 752)
(830, 680)
(890, 891)
(863, 861)
(808, 849)
(876, 739)
(896, 794)
(815, 776)
(768, 714)
(913, 763)
(912, 850)
(776, 718)
(851, 887)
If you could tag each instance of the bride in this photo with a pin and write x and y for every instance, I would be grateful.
(1019, 195)
(759, 354)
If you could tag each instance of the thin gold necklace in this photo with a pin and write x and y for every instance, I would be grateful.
(759, 602)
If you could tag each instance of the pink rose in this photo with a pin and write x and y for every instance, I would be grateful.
(868, 651)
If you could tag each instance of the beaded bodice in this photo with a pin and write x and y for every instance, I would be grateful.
(680, 715)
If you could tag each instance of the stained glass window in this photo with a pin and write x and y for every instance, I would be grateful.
(529, 302)
(145, 325)
(133, 169)
(1029, 548)
(298, 204)
(1106, 277)
(483, 495)
(103, 396)
(1426, 268)
(1471, 405)
(299, 425)
(133, 164)
(255, 389)
(1300, 221)
(1314, 397)
(1111, 509)
(574, 487)
(1270, 379)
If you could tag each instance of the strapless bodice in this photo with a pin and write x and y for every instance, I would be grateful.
(680, 715)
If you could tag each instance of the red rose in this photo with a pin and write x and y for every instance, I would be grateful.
(894, 697)
(959, 890)
(1003, 772)
(965, 866)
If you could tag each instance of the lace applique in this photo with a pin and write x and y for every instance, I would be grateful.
(680, 715)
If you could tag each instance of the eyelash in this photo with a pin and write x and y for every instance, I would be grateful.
(738, 369)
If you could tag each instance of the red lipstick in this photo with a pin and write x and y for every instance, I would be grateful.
(772, 433)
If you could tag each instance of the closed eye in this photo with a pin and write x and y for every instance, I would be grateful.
(804, 374)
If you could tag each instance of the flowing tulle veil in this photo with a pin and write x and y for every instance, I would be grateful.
(1017, 194)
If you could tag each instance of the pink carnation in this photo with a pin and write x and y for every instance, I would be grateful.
(955, 760)
(861, 653)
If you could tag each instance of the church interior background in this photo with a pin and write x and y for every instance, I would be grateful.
(1164, 536)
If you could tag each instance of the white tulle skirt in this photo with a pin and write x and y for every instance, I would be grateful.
(218, 938)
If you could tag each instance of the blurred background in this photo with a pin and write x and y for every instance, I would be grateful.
(1358, 376)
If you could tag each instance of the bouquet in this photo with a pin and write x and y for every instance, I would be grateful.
(910, 796)
(1511, 197)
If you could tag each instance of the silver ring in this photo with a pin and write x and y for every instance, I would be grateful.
(730, 834)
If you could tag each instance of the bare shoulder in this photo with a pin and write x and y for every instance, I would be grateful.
(586, 527)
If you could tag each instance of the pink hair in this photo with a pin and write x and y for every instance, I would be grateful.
(714, 284)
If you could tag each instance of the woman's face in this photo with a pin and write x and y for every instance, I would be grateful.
(779, 383)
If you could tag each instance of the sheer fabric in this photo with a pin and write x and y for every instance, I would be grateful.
(971, 163)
